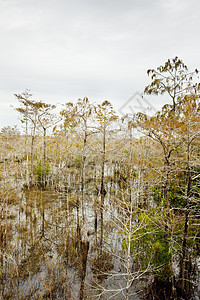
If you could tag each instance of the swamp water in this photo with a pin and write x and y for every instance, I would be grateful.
(42, 256)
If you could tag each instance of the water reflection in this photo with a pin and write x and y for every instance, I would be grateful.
(42, 254)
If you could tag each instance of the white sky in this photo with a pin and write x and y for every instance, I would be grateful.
(64, 50)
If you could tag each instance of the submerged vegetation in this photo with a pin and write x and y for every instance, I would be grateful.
(94, 210)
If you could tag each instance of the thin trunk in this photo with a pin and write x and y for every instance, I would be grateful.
(184, 252)
(95, 204)
(43, 219)
(130, 186)
(186, 223)
(102, 187)
(84, 247)
(32, 147)
(44, 158)
(84, 244)
(83, 177)
(26, 149)
(67, 223)
(78, 230)
(45, 147)
(128, 268)
(165, 192)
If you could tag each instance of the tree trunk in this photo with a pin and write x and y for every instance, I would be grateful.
(45, 148)
(186, 222)
(95, 204)
(44, 158)
(83, 178)
(84, 247)
(165, 180)
(32, 146)
(102, 187)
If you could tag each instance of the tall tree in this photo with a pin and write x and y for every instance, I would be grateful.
(190, 120)
(23, 98)
(104, 118)
(46, 120)
(78, 116)
(173, 78)
(33, 112)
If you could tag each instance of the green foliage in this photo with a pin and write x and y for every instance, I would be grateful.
(78, 161)
(150, 243)
(40, 171)
(156, 192)
(176, 190)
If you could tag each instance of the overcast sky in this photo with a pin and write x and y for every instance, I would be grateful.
(64, 50)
